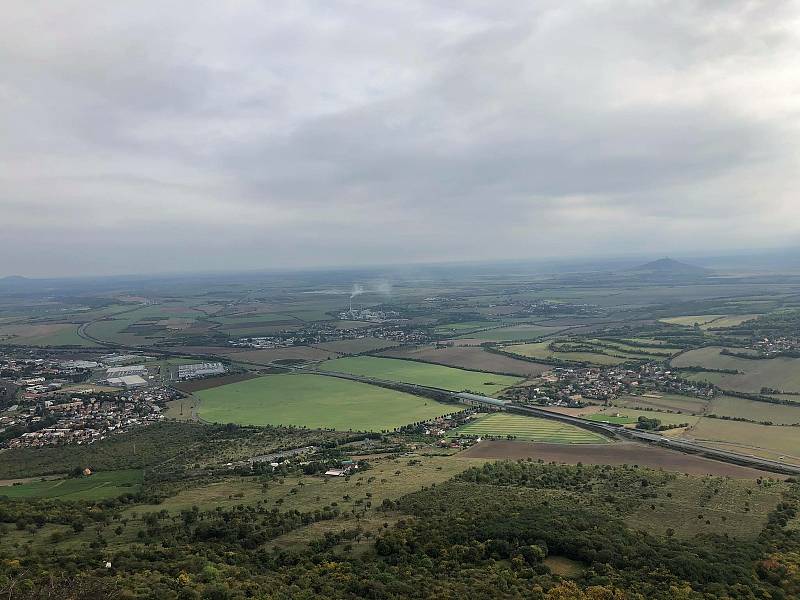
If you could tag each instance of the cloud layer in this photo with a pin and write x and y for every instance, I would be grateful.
(206, 135)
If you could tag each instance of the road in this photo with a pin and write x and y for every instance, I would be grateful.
(612, 431)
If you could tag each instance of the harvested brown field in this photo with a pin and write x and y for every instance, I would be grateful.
(269, 355)
(612, 454)
(470, 357)
(212, 382)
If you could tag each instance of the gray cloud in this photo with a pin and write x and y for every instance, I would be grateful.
(186, 135)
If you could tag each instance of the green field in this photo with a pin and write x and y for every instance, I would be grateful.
(529, 429)
(780, 373)
(315, 401)
(407, 371)
(109, 484)
(541, 350)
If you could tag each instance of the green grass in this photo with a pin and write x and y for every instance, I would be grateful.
(109, 484)
(529, 429)
(315, 401)
(406, 371)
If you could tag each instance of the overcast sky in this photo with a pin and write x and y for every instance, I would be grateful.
(169, 136)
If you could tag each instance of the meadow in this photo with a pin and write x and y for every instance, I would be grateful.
(406, 371)
(530, 429)
(315, 401)
(98, 486)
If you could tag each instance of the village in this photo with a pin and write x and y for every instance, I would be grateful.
(321, 333)
(573, 386)
(48, 400)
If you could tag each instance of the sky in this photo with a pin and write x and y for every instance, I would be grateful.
(171, 136)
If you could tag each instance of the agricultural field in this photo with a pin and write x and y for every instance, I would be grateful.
(664, 402)
(407, 371)
(357, 346)
(43, 334)
(464, 326)
(288, 355)
(530, 429)
(513, 333)
(780, 414)
(98, 486)
(780, 373)
(469, 357)
(691, 320)
(315, 401)
(242, 320)
(620, 347)
(729, 321)
(618, 453)
(541, 350)
(628, 416)
(773, 442)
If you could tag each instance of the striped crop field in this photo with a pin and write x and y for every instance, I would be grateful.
(530, 429)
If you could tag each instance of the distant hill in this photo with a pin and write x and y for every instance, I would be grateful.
(669, 266)
(13, 278)
(666, 269)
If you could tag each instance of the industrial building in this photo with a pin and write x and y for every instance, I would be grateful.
(195, 370)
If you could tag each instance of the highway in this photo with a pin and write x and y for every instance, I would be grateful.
(611, 431)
